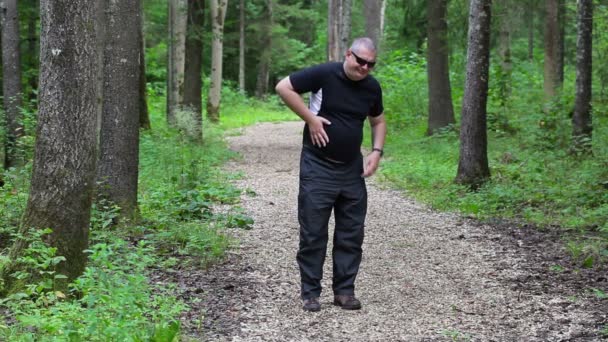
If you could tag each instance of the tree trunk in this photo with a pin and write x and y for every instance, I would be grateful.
(63, 173)
(441, 110)
(504, 51)
(582, 126)
(333, 30)
(373, 11)
(32, 51)
(561, 49)
(176, 56)
(11, 82)
(218, 16)
(345, 26)
(551, 74)
(530, 9)
(117, 171)
(193, 84)
(242, 46)
(265, 59)
(144, 114)
(473, 169)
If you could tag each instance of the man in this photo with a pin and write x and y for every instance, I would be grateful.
(332, 169)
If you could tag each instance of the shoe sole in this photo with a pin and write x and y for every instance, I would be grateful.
(356, 307)
(312, 309)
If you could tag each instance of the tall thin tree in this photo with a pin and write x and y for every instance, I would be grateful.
(503, 14)
(66, 139)
(144, 113)
(551, 82)
(193, 83)
(582, 126)
(11, 81)
(117, 170)
(218, 16)
(242, 46)
(441, 110)
(176, 57)
(261, 88)
(473, 169)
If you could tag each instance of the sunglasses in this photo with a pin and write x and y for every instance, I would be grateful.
(362, 61)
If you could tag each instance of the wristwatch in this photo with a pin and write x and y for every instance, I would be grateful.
(379, 150)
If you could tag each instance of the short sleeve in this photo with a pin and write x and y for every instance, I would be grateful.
(310, 79)
(378, 107)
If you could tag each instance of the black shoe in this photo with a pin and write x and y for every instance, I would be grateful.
(311, 304)
(347, 302)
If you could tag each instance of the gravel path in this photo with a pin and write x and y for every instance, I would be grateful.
(425, 275)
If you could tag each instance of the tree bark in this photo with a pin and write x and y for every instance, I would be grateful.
(551, 74)
(265, 59)
(11, 82)
(242, 46)
(473, 169)
(333, 30)
(373, 11)
(561, 48)
(582, 126)
(117, 171)
(218, 16)
(144, 114)
(193, 84)
(441, 110)
(66, 140)
(32, 50)
(530, 9)
(504, 51)
(176, 58)
(345, 26)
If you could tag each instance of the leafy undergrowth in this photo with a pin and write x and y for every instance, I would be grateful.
(186, 203)
(536, 175)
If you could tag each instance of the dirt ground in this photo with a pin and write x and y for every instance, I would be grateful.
(425, 275)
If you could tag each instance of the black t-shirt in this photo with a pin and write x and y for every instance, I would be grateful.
(345, 103)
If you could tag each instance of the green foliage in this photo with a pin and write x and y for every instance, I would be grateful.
(535, 175)
(112, 300)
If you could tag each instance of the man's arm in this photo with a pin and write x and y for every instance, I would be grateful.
(294, 101)
(378, 126)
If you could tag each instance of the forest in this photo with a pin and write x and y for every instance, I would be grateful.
(115, 119)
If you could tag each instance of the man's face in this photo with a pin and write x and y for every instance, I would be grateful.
(359, 63)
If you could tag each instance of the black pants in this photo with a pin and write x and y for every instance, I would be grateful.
(325, 185)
